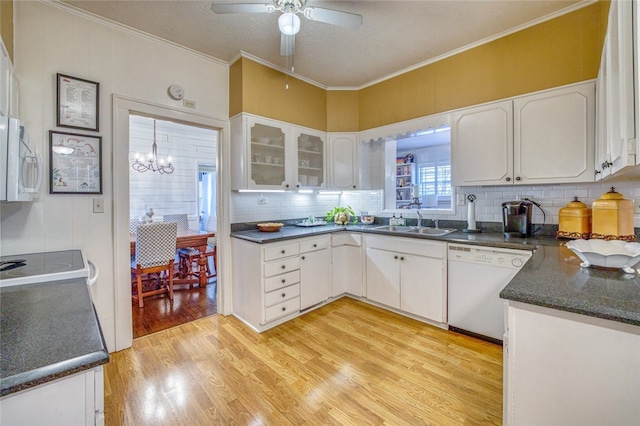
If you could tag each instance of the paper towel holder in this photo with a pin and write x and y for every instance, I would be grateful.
(471, 216)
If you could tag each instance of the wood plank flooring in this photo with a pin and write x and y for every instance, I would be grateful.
(346, 363)
(160, 313)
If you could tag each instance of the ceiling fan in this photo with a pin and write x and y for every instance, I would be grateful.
(289, 22)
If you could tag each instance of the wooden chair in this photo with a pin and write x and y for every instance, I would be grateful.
(189, 257)
(155, 252)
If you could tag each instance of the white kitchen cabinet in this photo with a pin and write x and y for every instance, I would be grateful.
(343, 161)
(509, 142)
(270, 154)
(77, 399)
(315, 270)
(563, 368)
(408, 275)
(266, 282)
(6, 73)
(346, 264)
(617, 144)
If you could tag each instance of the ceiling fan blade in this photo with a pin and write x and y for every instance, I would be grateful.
(334, 17)
(221, 8)
(287, 44)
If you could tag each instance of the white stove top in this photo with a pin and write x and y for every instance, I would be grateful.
(34, 268)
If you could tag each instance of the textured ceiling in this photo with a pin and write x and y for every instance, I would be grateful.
(395, 35)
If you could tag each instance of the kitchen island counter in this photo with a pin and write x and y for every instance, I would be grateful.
(49, 331)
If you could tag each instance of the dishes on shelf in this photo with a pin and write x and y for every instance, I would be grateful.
(607, 254)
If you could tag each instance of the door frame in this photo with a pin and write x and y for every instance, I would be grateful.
(122, 107)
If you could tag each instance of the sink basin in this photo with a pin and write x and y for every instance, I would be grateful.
(431, 231)
(393, 228)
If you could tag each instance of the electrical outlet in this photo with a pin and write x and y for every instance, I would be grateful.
(98, 205)
(262, 199)
(461, 199)
(636, 206)
(188, 103)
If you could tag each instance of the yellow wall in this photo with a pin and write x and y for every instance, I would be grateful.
(6, 25)
(561, 51)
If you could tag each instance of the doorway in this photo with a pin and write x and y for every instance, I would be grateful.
(173, 173)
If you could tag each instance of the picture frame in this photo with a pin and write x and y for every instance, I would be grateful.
(78, 103)
(75, 163)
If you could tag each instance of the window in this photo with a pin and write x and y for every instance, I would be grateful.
(434, 179)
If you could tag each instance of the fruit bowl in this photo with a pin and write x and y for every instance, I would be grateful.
(270, 227)
(367, 219)
(607, 254)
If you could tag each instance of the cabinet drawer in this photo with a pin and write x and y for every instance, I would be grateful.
(283, 280)
(282, 295)
(315, 244)
(281, 251)
(281, 309)
(281, 266)
(429, 248)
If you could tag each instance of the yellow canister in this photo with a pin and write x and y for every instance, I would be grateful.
(612, 217)
(574, 220)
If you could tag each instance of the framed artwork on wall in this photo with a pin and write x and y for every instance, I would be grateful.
(75, 163)
(78, 103)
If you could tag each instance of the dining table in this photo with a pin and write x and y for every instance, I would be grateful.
(185, 239)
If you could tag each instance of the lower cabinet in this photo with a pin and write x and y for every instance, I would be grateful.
(407, 274)
(346, 264)
(563, 368)
(315, 270)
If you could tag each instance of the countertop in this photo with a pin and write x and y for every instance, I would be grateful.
(48, 331)
(552, 277)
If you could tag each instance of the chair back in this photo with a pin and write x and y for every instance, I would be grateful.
(180, 219)
(156, 243)
(134, 222)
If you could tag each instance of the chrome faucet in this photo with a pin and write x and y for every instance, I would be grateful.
(419, 219)
(435, 221)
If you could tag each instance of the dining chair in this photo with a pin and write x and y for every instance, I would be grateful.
(134, 222)
(181, 219)
(155, 252)
(190, 256)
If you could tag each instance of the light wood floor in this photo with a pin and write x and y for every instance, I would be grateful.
(347, 363)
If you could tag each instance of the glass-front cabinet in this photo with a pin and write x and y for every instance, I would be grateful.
(269, 154)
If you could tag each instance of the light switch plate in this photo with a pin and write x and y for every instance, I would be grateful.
(636, 206)
(98, 205)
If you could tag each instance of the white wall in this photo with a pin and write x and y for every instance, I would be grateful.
(51, 38)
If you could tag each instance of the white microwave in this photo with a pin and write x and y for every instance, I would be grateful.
(20, 165)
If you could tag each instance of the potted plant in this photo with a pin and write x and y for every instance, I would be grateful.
(341, 215)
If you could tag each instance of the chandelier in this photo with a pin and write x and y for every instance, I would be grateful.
(153, 163)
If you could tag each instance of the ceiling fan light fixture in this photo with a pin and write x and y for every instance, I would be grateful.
(289, 23)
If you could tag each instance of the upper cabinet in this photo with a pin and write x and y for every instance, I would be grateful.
(545, 137)
(617, 143)
(8, 85)
(343, 161)
(268, 154)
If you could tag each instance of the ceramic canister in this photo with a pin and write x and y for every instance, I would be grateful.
(612, 217)
(574, 220)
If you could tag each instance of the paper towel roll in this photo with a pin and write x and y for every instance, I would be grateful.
(471, 215)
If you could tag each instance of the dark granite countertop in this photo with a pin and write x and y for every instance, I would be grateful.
(47, 331)
(552, 277)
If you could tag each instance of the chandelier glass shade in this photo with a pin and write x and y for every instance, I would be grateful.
(152, 162)
(289, 23)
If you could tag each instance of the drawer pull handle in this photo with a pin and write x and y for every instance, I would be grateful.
(395, 257)
(402, 258)
(283, 280)
(284, 294)
(283, 266)
(282, 252)
(315, 245)
(302, 257)
(284, 308)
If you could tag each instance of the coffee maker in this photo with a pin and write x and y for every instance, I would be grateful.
(516, 218)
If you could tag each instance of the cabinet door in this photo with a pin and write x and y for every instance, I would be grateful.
(343, 161)
(267, 154)
(310, 167)
(422, 285)
(601, 164)
(482, 145)
(5, 82)
(554, 136)
(315, 277)
(383, 277)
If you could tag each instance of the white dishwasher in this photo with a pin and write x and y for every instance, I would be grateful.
(476, 275)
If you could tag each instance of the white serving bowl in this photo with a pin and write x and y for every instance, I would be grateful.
(608, 254)
(367, 219)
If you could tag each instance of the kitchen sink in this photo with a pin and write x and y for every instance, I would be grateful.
(393, 228)
(431, 231)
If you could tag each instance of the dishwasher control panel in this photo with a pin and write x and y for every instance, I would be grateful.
(505, 258)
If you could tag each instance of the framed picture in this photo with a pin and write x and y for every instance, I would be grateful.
(75, 163)
(77, 103)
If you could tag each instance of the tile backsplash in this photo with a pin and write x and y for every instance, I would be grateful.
(291, 205)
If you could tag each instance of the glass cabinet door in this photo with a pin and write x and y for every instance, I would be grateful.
(268, 155)
(311, 162)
